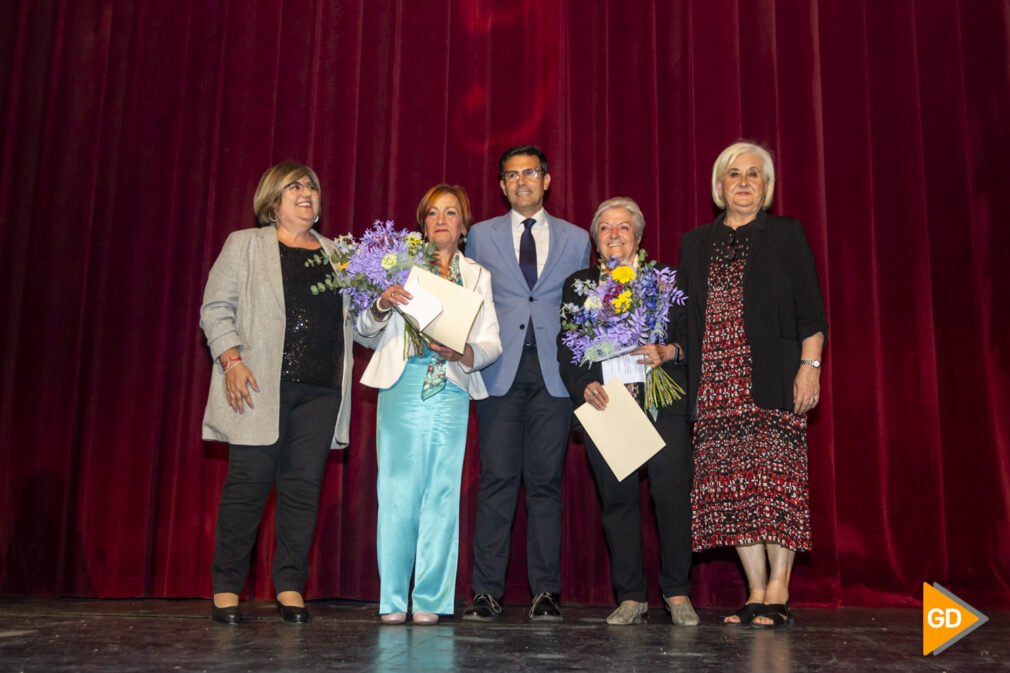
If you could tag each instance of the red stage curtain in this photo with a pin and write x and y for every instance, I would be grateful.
(134, 134)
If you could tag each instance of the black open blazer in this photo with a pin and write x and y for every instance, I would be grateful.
(782, 304)
(576, 377)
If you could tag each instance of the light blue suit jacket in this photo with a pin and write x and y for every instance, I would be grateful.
(490, 244)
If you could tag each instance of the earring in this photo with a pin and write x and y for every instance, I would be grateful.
(273, 216)
(462, 239)
(315, 220)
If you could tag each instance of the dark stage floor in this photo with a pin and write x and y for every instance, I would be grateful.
(167, 635)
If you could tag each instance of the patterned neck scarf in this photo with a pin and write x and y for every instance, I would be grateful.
(434, 378)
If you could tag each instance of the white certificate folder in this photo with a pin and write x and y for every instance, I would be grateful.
(460, 307)
(622, 432)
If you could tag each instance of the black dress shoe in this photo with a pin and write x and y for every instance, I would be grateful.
(293, 614)
(545, 608)
(483, 609)
(228, 615)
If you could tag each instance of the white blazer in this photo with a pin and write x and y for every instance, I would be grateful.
(388, 363)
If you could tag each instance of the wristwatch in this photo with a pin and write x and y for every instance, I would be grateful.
(816, 364)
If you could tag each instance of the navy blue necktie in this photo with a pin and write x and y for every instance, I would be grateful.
(528, 264)
(528, 253)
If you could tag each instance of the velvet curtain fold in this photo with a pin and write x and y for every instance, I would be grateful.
(134, 134)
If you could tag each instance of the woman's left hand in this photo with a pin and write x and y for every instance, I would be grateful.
(655, 355)
(806, 389)
(466, 357)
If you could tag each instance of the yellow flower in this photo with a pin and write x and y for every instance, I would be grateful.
(623, 274)
(343, 265)
(414, 242)
(622, 302)
(389, 261)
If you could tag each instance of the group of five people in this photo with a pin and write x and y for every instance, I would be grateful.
(751, 336)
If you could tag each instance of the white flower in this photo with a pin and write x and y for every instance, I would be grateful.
(593, 303)
(388, 261)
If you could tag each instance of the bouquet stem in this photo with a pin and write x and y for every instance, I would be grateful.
(413, 340)
(660, 390)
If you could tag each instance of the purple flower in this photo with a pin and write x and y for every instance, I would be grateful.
(383, 257)
(594, 330)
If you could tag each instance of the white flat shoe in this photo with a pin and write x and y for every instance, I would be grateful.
(425, 618)
(393, 618)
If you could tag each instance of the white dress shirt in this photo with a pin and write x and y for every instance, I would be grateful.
(541, 236)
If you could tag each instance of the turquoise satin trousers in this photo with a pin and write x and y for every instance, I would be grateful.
(420, 445)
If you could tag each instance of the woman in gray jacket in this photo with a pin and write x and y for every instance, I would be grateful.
(280, 389)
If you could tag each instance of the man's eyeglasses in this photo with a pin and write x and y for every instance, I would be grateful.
(528, 173)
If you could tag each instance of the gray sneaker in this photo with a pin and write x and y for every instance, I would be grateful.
(682, 614)
(629, 612)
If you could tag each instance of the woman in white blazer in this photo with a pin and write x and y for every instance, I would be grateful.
(423, 412)
(280, 389)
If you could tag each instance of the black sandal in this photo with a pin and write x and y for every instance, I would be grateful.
(777, 612)
(746, 614)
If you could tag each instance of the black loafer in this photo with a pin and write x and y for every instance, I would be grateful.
(228, 615)
(545, 608)
(483, 609)
(293, 614)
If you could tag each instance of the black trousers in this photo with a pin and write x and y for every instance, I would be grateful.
(670, 476)
(523, 439)
(295, 463)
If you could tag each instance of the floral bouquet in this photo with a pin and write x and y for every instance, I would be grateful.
(625, 309)
(381, 257)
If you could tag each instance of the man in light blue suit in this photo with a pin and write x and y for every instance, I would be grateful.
(524, 423)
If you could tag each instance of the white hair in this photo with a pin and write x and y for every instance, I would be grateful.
(637, 219)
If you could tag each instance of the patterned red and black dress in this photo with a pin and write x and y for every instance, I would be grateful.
(750, 476)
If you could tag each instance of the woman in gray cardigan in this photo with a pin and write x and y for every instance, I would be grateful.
(280, 389)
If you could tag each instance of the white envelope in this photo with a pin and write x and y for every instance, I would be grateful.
(625, 367)
(622, 432)
(460, 307)
(423, 306)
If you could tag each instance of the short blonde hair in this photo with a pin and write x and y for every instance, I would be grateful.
(433, 194)
(637, 219)
(271, 187)
(729, 155)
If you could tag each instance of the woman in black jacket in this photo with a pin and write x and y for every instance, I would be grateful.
(755, 331)
(617, 231)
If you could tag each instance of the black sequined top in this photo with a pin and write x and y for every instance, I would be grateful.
(314, 334)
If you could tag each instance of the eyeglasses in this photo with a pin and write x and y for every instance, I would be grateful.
(730, 253)
(299, 187)
(528, 173)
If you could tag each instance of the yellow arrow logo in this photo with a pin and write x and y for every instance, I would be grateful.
(946, 619)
